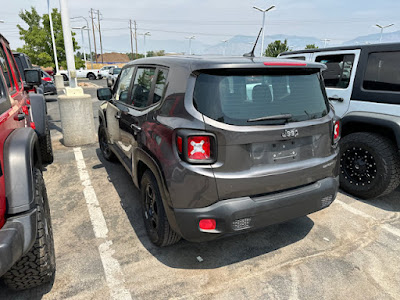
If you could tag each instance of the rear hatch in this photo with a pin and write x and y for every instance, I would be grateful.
(273, 126)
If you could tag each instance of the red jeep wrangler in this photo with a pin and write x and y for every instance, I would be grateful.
(26, 242)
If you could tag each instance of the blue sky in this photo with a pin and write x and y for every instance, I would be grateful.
(214, 20)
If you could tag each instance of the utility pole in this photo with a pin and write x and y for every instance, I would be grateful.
(325, 42)
(94, 36)
(131, 34)
(101, 44)
(136, 55)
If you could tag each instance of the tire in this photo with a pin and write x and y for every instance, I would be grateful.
(104, 145)
(91, 76)
(46, 149)
(155, 220)
(65, 77)
(38, 266)
(108, 83)
(369, 165)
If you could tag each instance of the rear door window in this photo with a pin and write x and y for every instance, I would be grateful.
(14, 66)
(18, 60)
(239, 99)
(6, 69)
(339, 68)
(141, 89)
(159, 88)
(4, 101)
(383, 72)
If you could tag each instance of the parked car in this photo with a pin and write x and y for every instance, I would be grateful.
(27, 256)
(80, 73)
(23, 62)
(112, 76)
(103, 72)
(363, 84)
(212, 158)
(38, 105)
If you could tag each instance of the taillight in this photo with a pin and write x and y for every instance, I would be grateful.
(196, 147)
(199, 147)
(336, 132)
(48, 79)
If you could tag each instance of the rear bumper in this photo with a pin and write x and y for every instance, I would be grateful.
(16, 238)
(244, 214)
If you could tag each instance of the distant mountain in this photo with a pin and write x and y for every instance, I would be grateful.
(390, 37)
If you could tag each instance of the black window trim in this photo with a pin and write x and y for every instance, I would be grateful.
(13, 89)
(361, 94)
(4, 105)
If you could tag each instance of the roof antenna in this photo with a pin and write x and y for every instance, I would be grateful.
(251, 54)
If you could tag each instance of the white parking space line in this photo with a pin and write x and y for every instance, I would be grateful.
(112, 268)
(389, 228)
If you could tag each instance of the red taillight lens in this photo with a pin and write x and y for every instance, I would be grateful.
(336, 131)
(48, 79)
(199, 147)
(179, 144)
(285, 64)
(207, 224)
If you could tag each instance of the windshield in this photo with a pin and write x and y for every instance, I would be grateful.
(116, 71)
(243, 99)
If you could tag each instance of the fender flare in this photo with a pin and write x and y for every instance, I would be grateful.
(39, 113)
(21, 155)
(370, 118)
(142, 156)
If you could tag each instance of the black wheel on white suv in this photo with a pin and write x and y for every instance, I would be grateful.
(369, 165)
(65, 77)
(91, 76)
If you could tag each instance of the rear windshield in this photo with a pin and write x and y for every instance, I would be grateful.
(239, 99)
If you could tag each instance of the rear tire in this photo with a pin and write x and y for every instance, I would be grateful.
(38, 266)
(369, 165)
(65, 77)
(91, 76)
(46, 149)
(155, 220)
(109, 84)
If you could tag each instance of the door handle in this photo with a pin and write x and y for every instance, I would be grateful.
(339, 99)
(136, 128)
(20, 117)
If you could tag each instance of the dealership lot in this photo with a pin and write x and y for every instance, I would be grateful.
(349, 250)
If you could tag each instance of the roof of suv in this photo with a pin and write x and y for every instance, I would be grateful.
(224, 62)
(353, 47)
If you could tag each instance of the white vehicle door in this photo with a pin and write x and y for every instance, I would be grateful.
(298, 56)
(339, 77)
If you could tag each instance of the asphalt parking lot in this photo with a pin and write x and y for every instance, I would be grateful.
(347, 251)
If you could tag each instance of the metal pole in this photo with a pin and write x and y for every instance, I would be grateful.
(69, 48)
(263, 34)
(52, 37)
(145, 52)
(101, 43)
(94, 36)
(190, 46)
(136, 55)
(88, 34)
(380, 41)
(83, 47)
(130, 30)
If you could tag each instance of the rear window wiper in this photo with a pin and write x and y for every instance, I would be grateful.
(275, 117)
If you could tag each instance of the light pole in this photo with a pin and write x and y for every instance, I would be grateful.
(83, 42)
(144, 40)
(224, 50)
(325, 42)
(382, 27)
(190, 38)
(263, 26)
(90, 44)
(52, 36)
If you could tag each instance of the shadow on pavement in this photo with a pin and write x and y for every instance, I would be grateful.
(31, 294)
(215, 254)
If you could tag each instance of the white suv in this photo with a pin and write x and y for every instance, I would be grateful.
(363, 84)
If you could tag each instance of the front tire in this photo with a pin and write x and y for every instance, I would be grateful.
(155, 220)
(91, 76)
(38, 266)
(369, 165)
(46, 149)
(65, 77)
(104, 145)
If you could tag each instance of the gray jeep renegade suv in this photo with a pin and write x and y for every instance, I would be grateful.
(221, 145)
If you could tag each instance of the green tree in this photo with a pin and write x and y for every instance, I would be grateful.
(37, 39)
(275, 48)
(311, 46)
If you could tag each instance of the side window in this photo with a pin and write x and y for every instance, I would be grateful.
(297, 57)
(339, 69)
(160, 85)
(20, 66)
(142, 87)
(4, 101)
(6, 68)
(14, 66)
(123, 85)
(383, 72)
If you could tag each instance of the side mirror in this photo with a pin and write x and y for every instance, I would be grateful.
(104, 94)
(33, 77)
